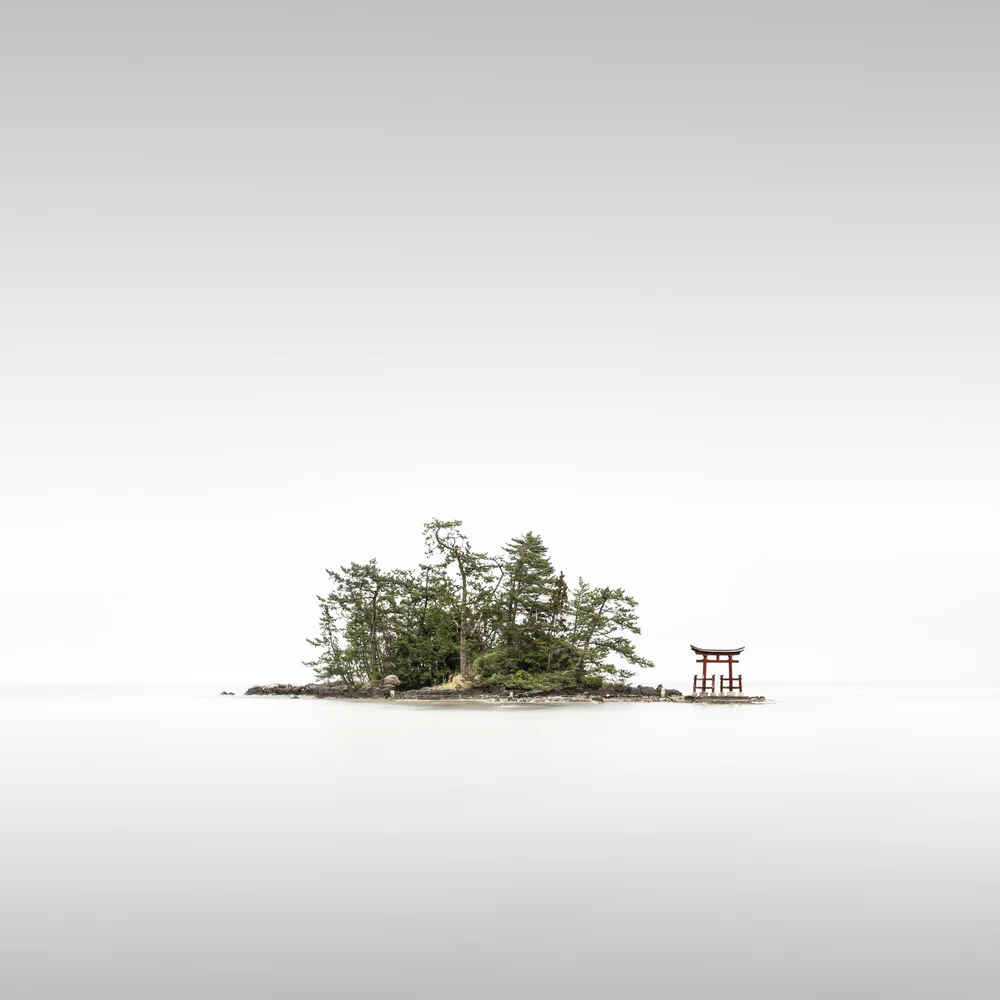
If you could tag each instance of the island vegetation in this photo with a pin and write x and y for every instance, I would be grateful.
(465, 618)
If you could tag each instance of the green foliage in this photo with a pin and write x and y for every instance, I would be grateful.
(539, 680)
(475, 579)
(507, 621)
(524, 622)
(425, 651)
(603, 619)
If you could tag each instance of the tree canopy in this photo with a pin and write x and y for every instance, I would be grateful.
(508, 620)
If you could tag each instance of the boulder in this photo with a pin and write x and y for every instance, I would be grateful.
(391, 681)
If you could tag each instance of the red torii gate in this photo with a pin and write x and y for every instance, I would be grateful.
(729, 683)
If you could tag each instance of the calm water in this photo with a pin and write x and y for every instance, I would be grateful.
(838, 843)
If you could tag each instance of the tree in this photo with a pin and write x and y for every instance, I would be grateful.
(528, 587)
(426, 642)
(359, 619)
(557, 627)
(330, 664)
(476, 576)
(602, 621)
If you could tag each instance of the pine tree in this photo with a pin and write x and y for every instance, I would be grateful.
(476, 579)
(359, 620)
(602, 621)
(330, 664)
(426, 645)
(529, 583)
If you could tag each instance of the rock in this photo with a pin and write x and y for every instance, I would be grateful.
(391, 681)
(229, 694)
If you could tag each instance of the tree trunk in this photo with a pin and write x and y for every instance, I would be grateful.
(373, 650)
(464, 667)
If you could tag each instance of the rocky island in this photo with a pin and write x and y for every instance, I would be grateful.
(389, 689)
(466, 626)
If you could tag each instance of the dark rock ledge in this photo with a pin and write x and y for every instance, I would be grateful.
(725, 699)
(486, 696)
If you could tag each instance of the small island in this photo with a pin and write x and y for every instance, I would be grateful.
(469, 626)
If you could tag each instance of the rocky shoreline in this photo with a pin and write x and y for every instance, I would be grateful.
(358, 692)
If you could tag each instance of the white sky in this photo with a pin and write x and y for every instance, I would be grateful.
(708, 301)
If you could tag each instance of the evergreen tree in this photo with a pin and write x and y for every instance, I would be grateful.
(476, 579)
(330, 664)
(602, 621)
(426, 643)
(529, 584)
(557, 626)
(359, 619)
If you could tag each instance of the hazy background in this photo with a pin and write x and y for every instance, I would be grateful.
(703, 293)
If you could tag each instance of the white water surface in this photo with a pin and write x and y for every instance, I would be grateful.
(839, 842)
